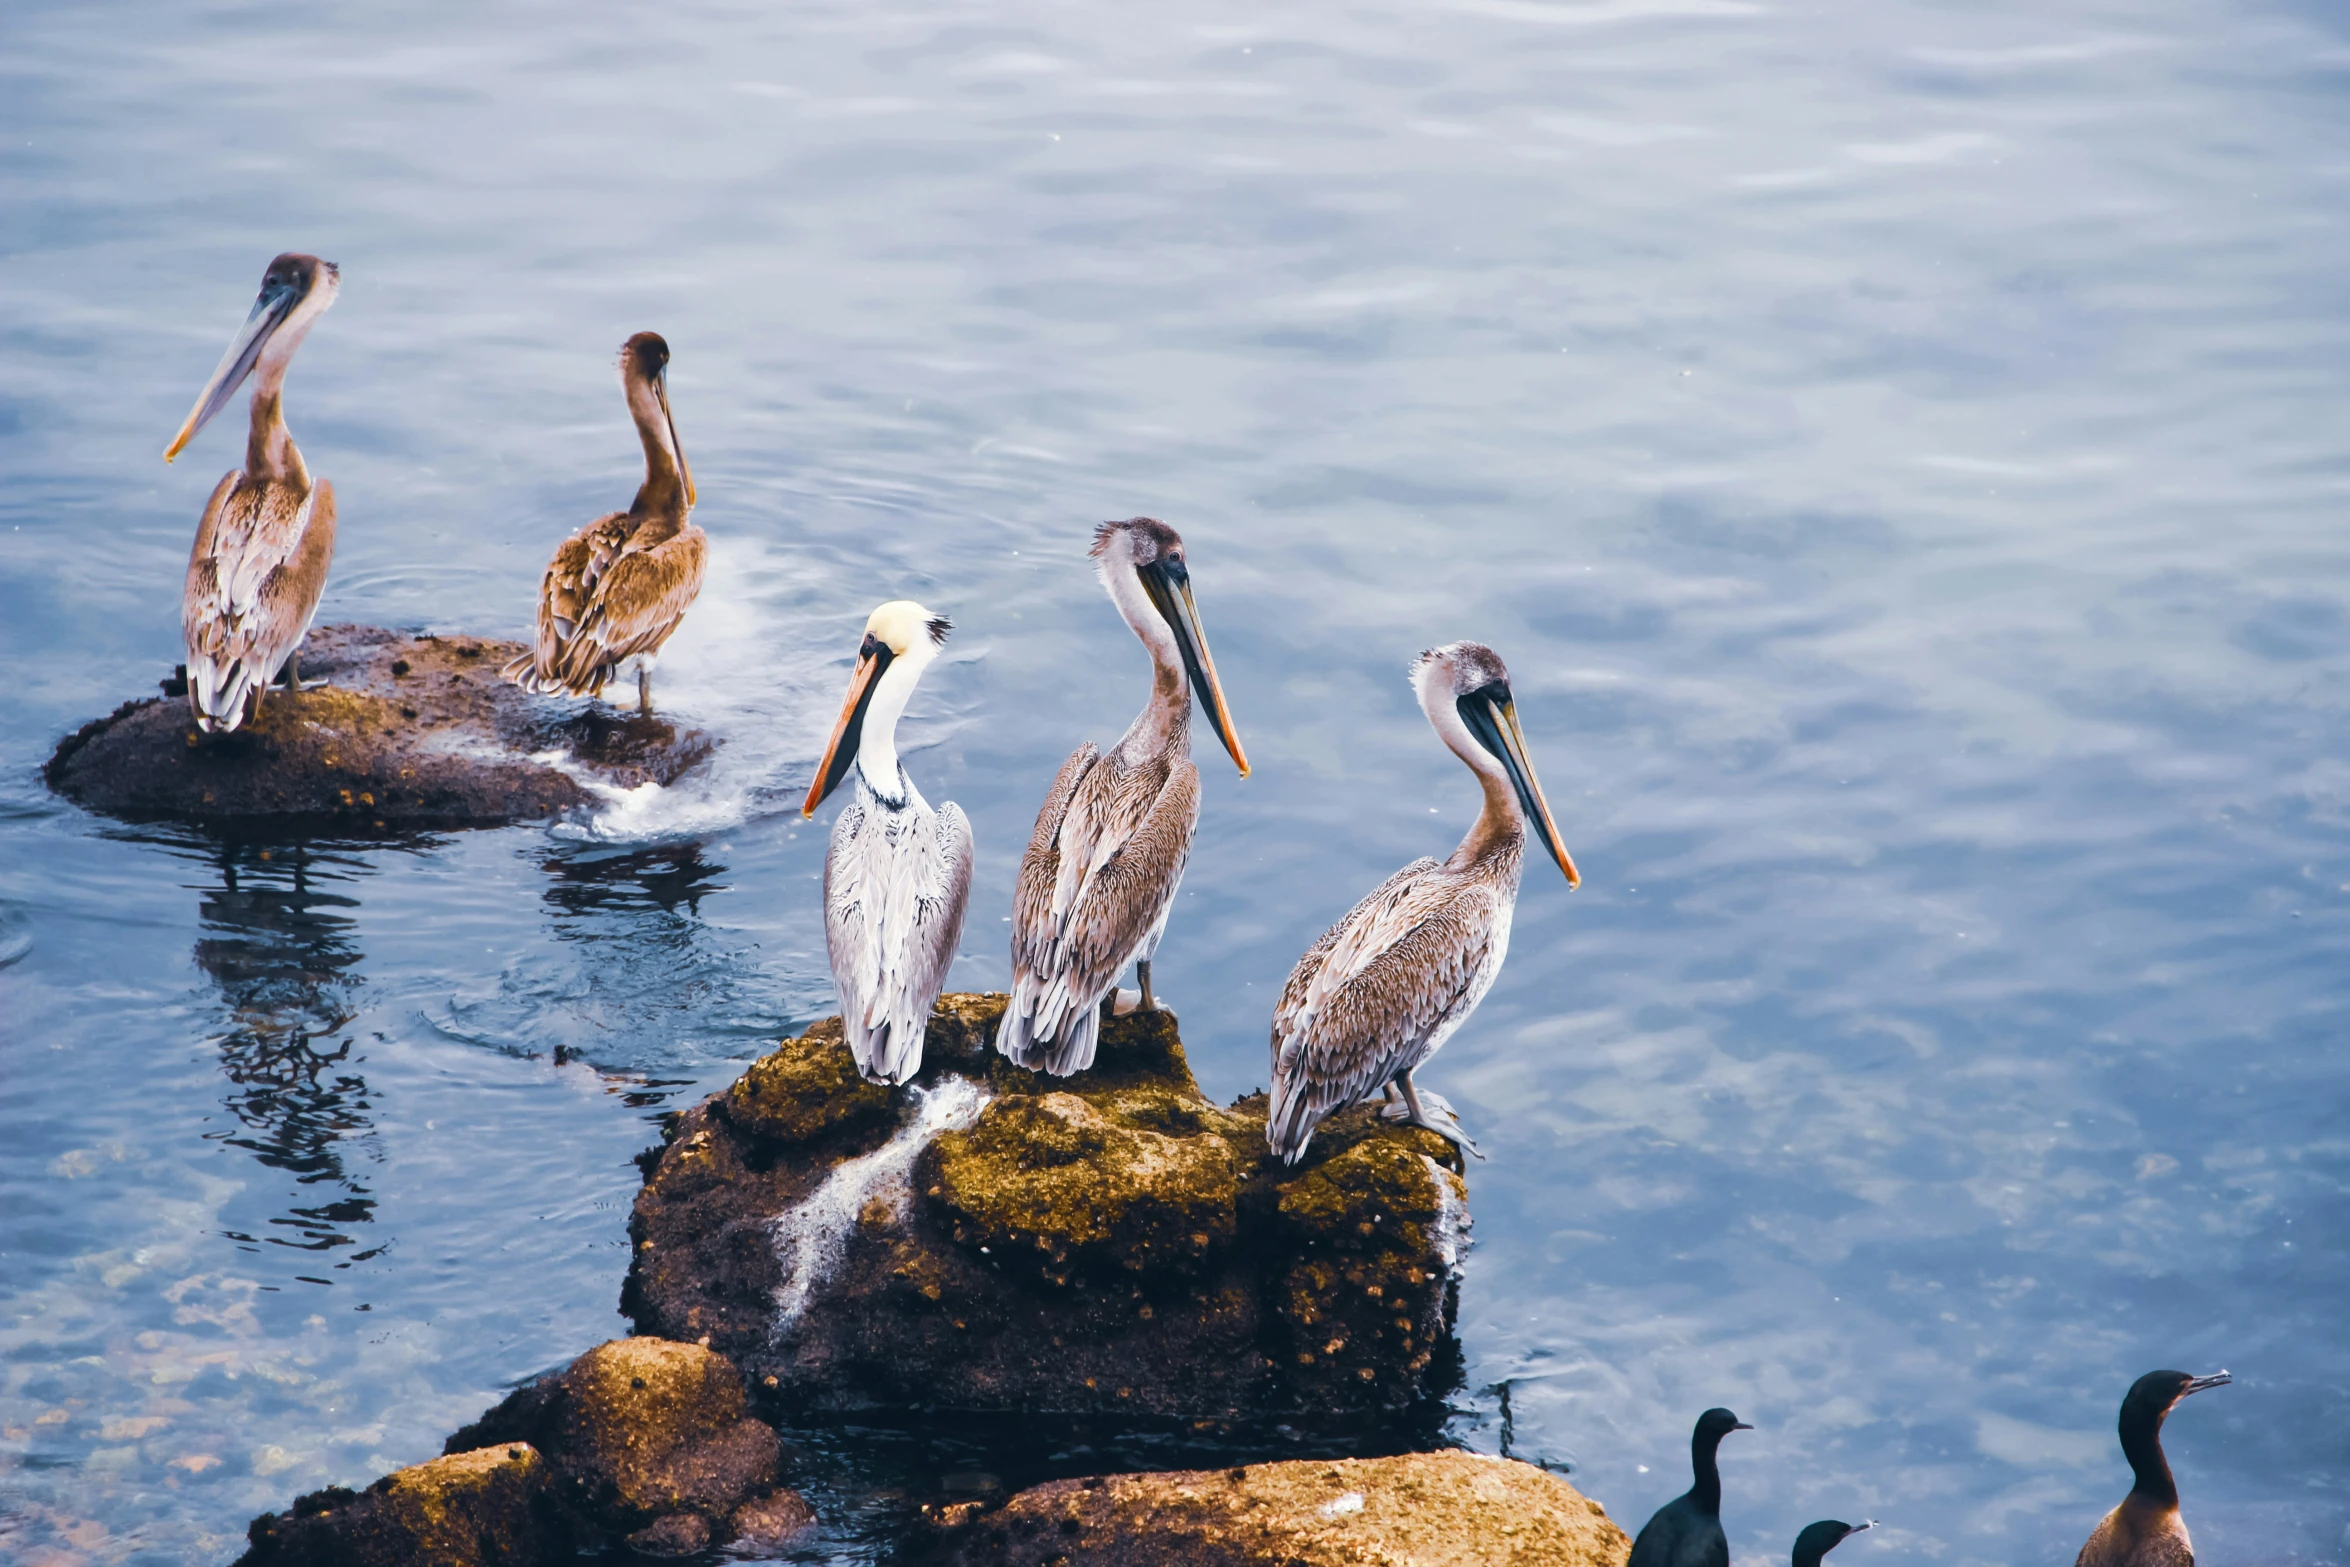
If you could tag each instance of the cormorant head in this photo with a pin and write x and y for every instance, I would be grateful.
(1818, 1539)
(1715, 1424)
(2156, 1393)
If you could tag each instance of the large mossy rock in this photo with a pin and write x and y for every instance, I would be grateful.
(409, 731)
(994, 1239)
(496, 1507)
(1420, 1510)
(649, 1440)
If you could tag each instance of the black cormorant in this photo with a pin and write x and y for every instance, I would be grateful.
(2145, 1530)
(1687, 1531)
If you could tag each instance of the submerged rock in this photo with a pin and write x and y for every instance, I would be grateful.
(496, 1507)
(1421, 1510)
(995, 1239)
(651, 1441)
(409, 731)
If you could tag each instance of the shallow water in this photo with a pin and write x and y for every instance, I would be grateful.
(1897, 448)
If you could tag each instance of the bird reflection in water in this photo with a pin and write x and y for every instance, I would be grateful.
(280, 948)
(651, 975)
(665, 876)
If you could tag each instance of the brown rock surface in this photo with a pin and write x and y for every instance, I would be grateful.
(1108, 1242)
(409, 731)
(493, 1508)
(1447, 1509)
(643, 1435)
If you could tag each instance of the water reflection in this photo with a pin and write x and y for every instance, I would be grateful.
(279, 942)
(664, 876)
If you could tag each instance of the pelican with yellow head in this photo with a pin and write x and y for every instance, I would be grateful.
(1111, 840)
(1387, 985)
(261, 554)
(897, 876)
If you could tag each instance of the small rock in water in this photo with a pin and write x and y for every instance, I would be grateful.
(405, 731)
(1419, 1510)
(493, 1508)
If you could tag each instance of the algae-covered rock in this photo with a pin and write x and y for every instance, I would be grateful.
(643, 1435)
(803, 1089)
(409, 731)
(1051, 1181)
(1447, 1509)
(991, 1238)
(495, 1507)
(1372, 1226)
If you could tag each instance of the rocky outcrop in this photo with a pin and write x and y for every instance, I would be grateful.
(496, 1507)
(409, 731)
(1447, 1509)
(653, 1442)
(639, 1440)
(994, 1239)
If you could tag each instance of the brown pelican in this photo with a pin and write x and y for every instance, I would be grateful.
(1107, 855)
(2146, 1531)
(1372, 1000)
(898, 874)
(268, 532)
(618, 587)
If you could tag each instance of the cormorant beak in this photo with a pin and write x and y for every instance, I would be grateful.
(661, 391)
(2198, 1384)
(1865, 1523)
(841, 750)
(1493, 718)
(277, 301)
(1574, 881)
(1168, 582)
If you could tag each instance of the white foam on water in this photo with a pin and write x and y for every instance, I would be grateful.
(811, 1239)
(1450, 1233)
(759, 667)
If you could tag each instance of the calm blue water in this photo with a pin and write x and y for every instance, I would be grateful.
(1898, 448)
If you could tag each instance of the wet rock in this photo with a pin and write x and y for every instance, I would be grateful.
(1421, 1510)
(496, 1507)
(409, 731)
(994, 1239)
(647, 1439)
(769, 1523)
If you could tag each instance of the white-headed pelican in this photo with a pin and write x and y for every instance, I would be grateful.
(898, 874)
(618, 587)
(1107, 855)
(1372, 1000)
(268, 532)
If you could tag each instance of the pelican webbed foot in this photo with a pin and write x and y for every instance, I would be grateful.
(1427, 1109)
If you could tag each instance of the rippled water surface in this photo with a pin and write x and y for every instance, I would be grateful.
(1899, 449)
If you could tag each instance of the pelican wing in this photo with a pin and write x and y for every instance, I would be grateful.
(254, 578)
(896, 883)
(1121, 849)
(604, 600)
(1035, 930)
(1402, 969)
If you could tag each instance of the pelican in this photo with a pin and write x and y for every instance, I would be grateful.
(1107, 855)
(618, 587)
(268, 533)
(1384, 988)
(898, 874)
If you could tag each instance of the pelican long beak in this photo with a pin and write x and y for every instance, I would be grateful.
(2198, 1384)
(1168, 582)
(841, 750)
(277, 301)
(661, 390)
(1493, 718)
